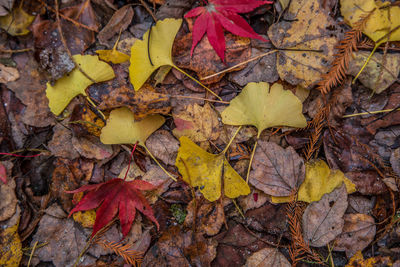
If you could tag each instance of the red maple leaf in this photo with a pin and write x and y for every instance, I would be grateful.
(218, 15)
(116, 196)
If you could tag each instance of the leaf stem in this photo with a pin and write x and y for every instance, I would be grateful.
(33, 251)
(251, 161)
(366, 63)
(370, 112)
(158, 163)
(230, 141)
(197, 81)
(238, 208)
(130, 159)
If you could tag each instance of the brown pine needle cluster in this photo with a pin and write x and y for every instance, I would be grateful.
(125, 251)
(299, 250)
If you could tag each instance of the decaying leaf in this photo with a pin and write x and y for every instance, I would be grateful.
(11, 247)
(121, 127)
(267, 257)
(307, 27)
(148, 55)
(198, 123)
(263, 107)
(382, 22)
(358, 232)
(90, 147)
(16, 22)
(164, 145)
(8, 74)
(75, 83)
(375, 76)
(113, 56)
(118, 22)
(323, 220)
(210, 172)
(358, 260)
(8, 200)
(276, 171)
(319, 180)
(85, 218)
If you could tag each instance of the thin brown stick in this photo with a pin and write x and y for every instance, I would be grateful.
(148, 9)
(15, 51)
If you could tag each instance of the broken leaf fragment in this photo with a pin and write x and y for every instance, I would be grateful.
(320, 180)
(113, 56)
(75, 83)
(16, 22)
(121, 127)
(210, 172)
(263, 106)
(158, 49)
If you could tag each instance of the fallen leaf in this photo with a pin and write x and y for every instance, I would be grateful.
(113, 56)
(319, 181)
(75, 83)
(208, 172)
(375, 76)
(6, 6)
(121, 127)
(3, 173)
(112, 197)
(254, 200)
(276, 171)
(264, 107)
(118, 22)
(84, 121)
(360, 204)
(395, 161)
(358, 260)
(323, 220)
(90, 147)
(61, 143)
(218, 15)
(197, 123)
(8, 200)
(267, 257)
(380, 21)
(16, 22)
(269, 218)
(306, 26)
(179, 248)
(8, 74)
(158, 49)
(11, 247)
(85, 218)
(164, 145)
(358, 232)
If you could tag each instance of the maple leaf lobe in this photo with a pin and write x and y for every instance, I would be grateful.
(218, 15)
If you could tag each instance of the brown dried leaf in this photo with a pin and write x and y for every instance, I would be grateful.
(178, 248)
(254, 200)
(358, 232)
(205, 61)
(267, 257)
(164, 145)
(323, 220)
(8, 74)
(8, 200)
(395, 161)
(118, 22)
(90, 147)
(61, 143)
(197, 123)
(275, 170)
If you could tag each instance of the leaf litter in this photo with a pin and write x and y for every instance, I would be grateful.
(319, 176)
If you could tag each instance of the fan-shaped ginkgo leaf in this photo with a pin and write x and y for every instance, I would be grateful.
(75, 83)
(148, 55)
(263, 107)
(210, 172)
(121, 127)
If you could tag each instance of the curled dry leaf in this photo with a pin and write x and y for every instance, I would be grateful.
(307, 26)
(358, 232)
(121, 127)
(209, 172)
(267, 257)
(323, 220)
(276, 171)
(118, 22)
(198, 123)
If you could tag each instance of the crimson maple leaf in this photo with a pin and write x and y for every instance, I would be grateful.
(116, 196)
(220, 14)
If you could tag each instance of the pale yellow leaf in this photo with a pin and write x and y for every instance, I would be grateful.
(208, 171)
(160, 47)
(121, 127)
(75, 83)
(16, 22)
(263, 107)
(113, 56)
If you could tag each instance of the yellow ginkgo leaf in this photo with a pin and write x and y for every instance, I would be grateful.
(113, 56)
(121, 127)
(382, 21)
(16, 22)
(158, 49)
(75, 83)
(320, 180)
(208, 172)
(263, 107)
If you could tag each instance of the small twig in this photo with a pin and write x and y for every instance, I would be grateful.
(15, 51)
(199, 98)
(369, 113)
(148, 10)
